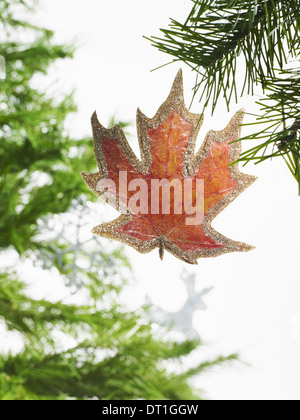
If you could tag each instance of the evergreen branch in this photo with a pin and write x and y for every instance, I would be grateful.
(280, 135)
(217, 32)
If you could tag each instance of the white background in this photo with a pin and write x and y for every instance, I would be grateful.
(255, 306)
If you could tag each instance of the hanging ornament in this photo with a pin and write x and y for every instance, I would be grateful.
(169, 198)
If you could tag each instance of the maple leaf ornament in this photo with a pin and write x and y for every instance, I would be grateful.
(167, 144)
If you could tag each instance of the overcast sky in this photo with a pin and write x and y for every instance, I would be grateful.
(254, 308)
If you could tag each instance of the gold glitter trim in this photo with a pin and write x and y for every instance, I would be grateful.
(175, 102)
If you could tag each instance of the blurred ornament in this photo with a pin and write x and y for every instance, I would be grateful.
(182, 320)
(73, 249)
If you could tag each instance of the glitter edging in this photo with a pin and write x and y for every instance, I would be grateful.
(174, 102)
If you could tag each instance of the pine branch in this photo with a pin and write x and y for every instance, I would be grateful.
(280, 133)
(218, 32)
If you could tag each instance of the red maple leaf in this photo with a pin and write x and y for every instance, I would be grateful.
(167, 144)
